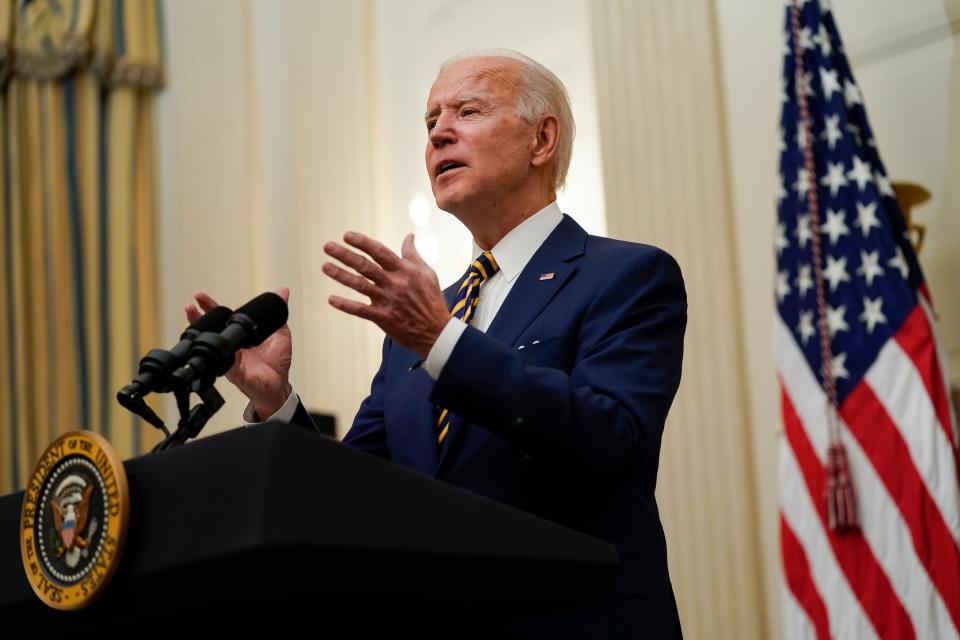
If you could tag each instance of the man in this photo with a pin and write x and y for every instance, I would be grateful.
(544, 377)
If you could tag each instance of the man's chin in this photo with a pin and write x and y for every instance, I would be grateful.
(450, 203)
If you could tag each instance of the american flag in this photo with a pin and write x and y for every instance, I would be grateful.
(860, 369)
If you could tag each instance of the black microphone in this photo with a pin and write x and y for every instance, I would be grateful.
(158, 364)
(212, 354)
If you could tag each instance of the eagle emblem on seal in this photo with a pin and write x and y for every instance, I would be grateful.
(70, 506)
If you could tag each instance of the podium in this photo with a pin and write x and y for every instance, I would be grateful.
(274, 526)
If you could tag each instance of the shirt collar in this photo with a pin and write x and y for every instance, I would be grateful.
(515, 249)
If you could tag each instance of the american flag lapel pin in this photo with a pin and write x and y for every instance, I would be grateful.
(546, 276)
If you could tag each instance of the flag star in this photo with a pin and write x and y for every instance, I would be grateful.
(883, 184)
(870, 266)
(823, 39)
(780, 241)
(851, 94)
(788, 45)
(805, 328)
(781, 194)
(806, 38)
(832, 133)
(834, 178)
(838, 364)
(801, 136)
(836, 271)
(803, 232)
(867, 217)
(829, 82)
(860, 173)
(835, 226)
(804, 279)
(872, 314)
(783, 285)
(782, 141)
(835, 319)
(899, 262)
(802, 185)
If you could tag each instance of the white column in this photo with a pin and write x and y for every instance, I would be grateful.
(666, 183)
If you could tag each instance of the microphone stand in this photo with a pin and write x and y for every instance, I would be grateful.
(192, 420)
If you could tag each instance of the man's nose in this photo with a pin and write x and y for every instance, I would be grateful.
(442, 131)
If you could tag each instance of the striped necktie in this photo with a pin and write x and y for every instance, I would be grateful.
(463, 307)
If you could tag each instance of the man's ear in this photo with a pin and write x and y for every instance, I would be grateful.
(546, 140)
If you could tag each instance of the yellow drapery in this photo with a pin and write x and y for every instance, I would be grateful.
(78, 258)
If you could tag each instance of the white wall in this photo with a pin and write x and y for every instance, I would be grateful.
(266, 138)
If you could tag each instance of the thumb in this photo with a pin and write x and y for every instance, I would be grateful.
(409, 250)
(284, 293)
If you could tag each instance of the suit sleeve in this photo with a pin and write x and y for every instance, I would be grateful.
(368, 432)
(603, 419)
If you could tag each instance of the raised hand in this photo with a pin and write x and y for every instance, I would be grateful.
(261, 373)
(405, 296)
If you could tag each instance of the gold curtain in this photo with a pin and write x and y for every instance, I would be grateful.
(78, 259)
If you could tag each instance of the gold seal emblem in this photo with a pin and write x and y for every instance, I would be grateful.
(74, 520)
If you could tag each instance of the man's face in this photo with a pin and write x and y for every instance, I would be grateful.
(478, 149)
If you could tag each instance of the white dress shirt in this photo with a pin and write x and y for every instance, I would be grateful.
(512, 254)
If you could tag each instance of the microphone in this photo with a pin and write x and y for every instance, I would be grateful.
(158, 364)
(212, 354)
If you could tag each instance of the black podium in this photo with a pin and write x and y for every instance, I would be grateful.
(275, 526)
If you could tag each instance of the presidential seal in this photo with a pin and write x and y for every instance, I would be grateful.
(74, 520)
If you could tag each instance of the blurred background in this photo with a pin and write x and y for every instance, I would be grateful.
(218, 145)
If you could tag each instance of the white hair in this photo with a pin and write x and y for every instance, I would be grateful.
(540, 92)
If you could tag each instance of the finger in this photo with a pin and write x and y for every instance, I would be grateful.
(376, 250)
(284, 293)
(193, 314)
(205, 301)
(359, 263)
(355, 282)
(352, 307)
(409, 251)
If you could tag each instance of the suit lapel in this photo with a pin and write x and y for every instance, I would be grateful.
(529, 295)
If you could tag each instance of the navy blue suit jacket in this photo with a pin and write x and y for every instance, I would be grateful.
(559, 410)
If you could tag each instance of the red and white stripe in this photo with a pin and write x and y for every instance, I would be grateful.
(899, 575)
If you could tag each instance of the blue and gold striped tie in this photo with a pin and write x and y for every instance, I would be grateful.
(463, 307)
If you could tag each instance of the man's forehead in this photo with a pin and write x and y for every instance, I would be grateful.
(474, 78)
(454, 99)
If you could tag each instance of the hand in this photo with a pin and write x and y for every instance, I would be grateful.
(405, 296)
(262, 373)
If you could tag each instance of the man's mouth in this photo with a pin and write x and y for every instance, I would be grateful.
(448, 166)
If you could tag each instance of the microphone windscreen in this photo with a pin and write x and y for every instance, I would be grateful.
(214, 320)
(268, 312)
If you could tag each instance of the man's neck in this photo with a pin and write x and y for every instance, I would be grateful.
(489, 226)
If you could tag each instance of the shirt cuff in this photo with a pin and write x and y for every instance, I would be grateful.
(283, 414)
(443, 347)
